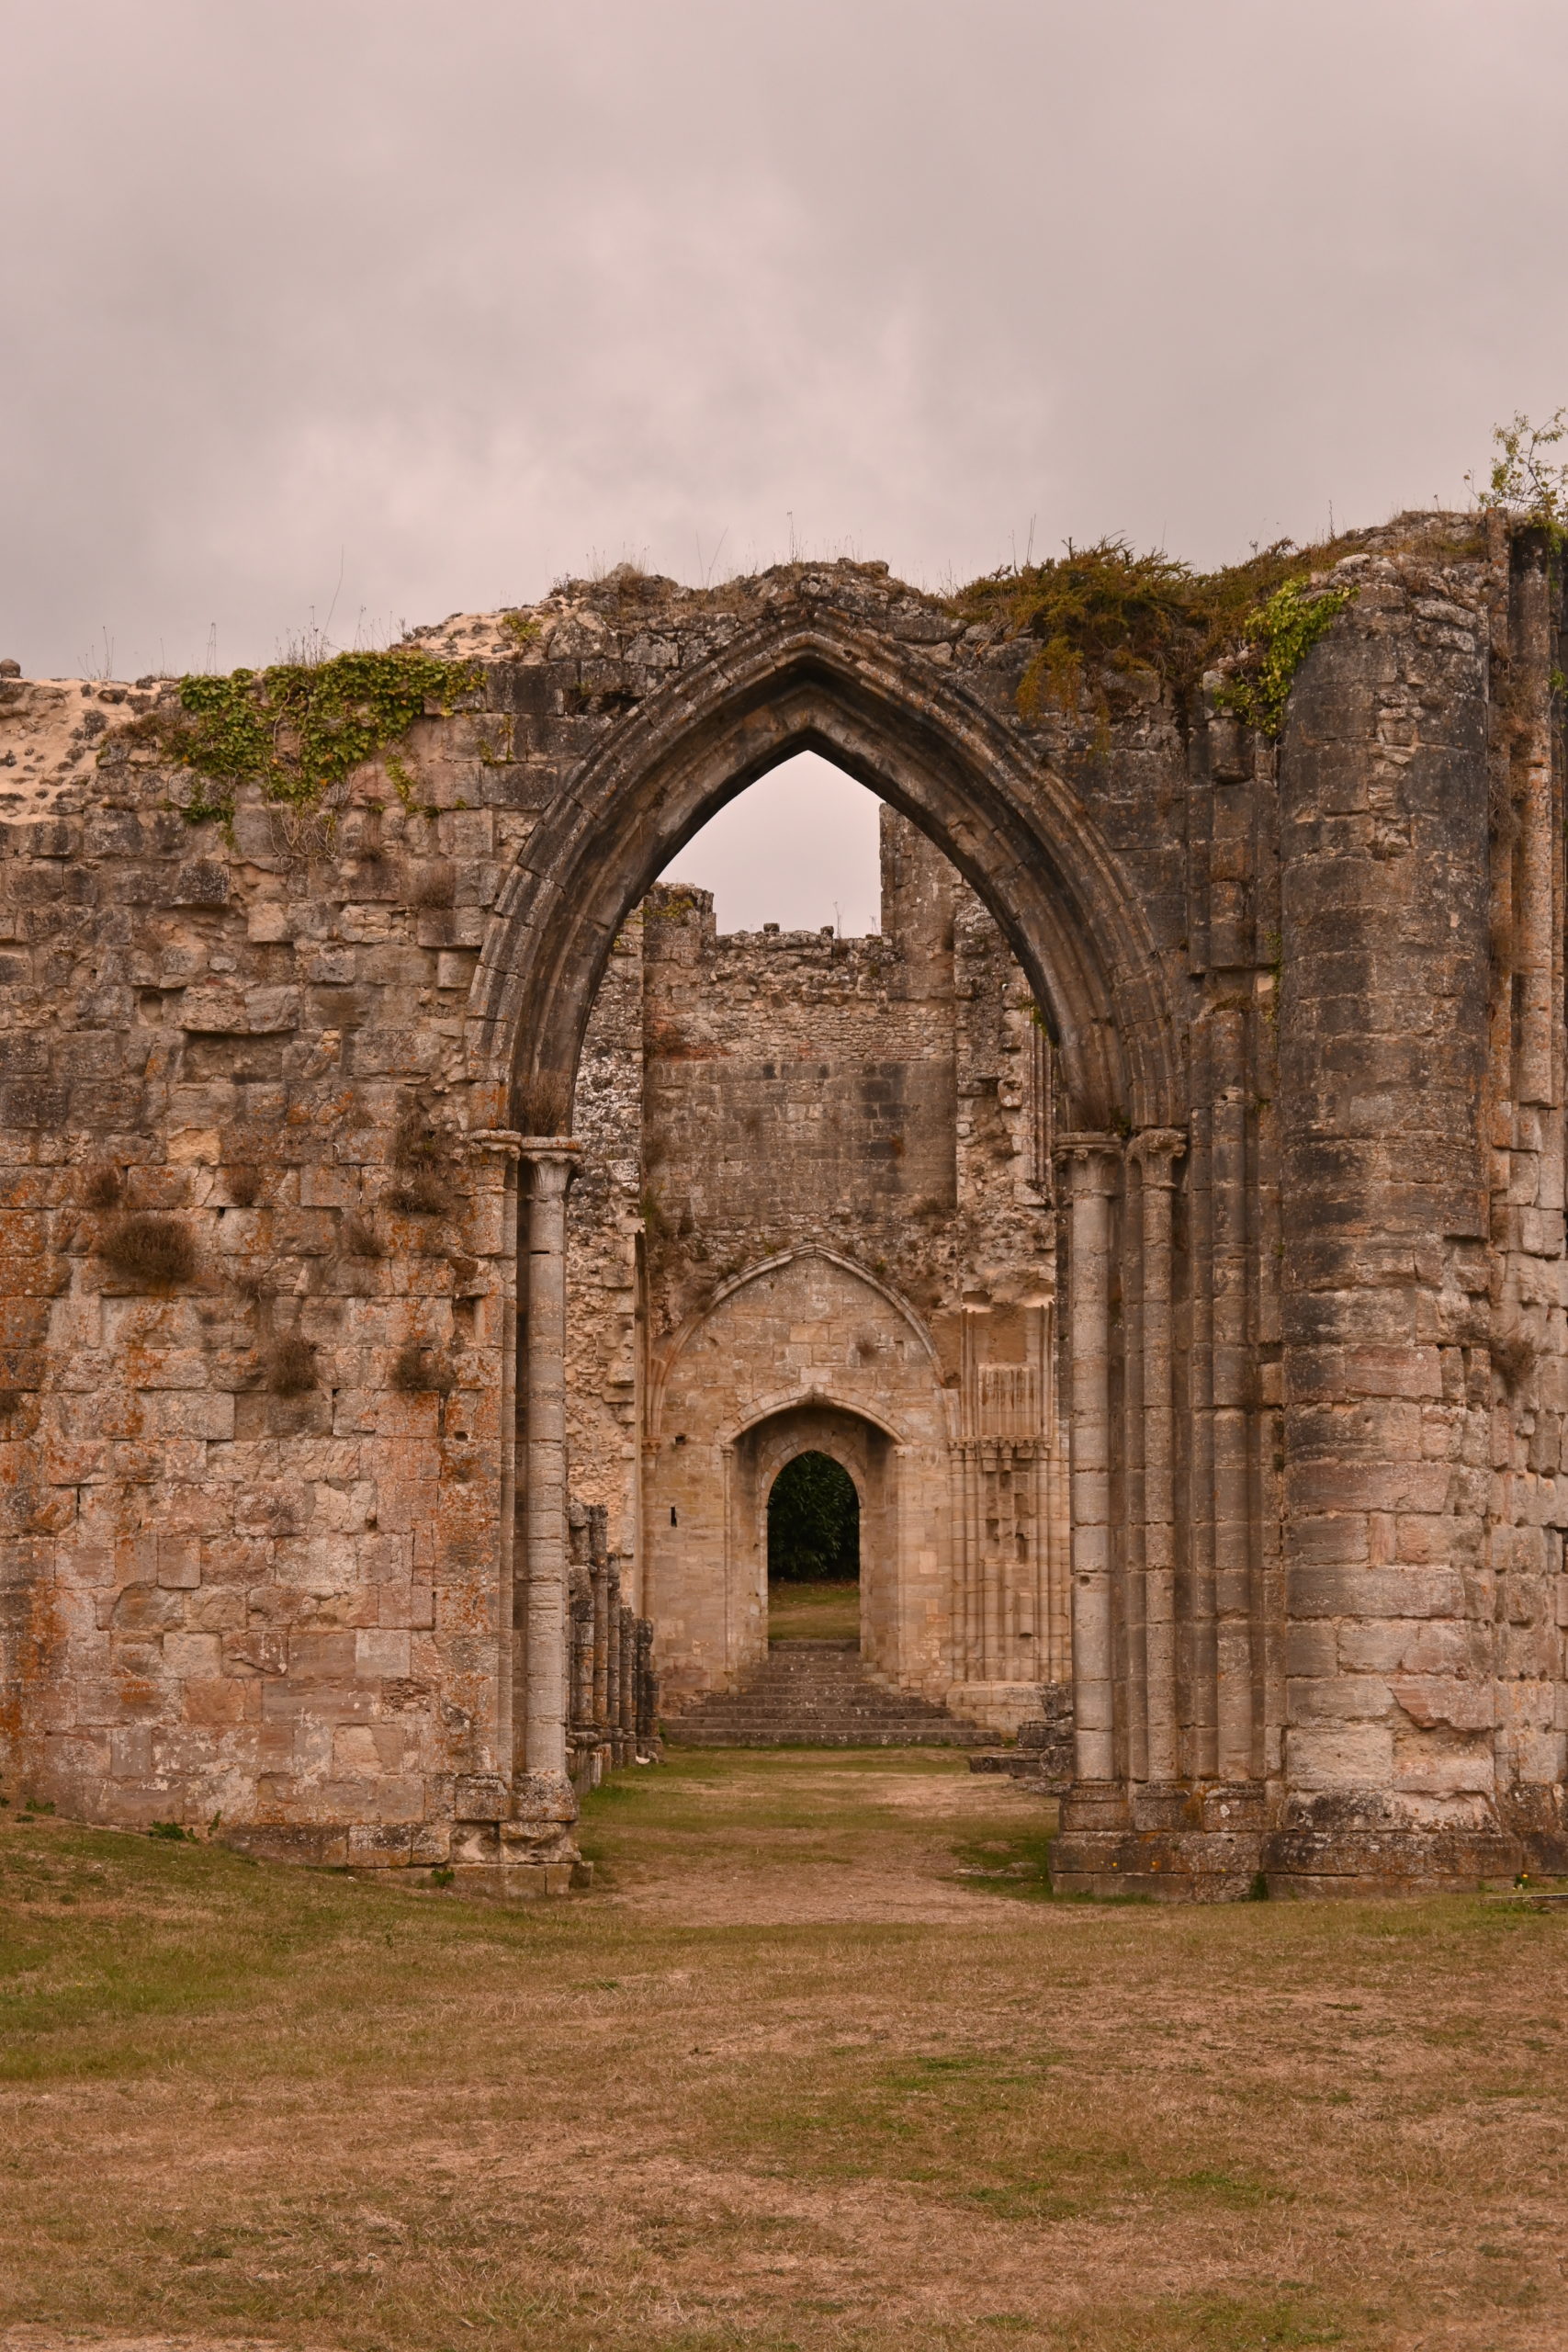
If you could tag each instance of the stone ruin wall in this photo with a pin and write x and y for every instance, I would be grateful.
(294, 1611)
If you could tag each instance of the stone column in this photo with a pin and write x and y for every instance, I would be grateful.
(500, 1145)
(1535, 920)
(544, 1804)
(1156, 1152)
(1091, 1161)
(1232, 1259)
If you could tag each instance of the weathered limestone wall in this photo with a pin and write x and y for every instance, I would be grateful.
(227, 1598)
(266, 1087)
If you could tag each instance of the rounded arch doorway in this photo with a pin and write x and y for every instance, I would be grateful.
(814, 1551)
(813, 1525)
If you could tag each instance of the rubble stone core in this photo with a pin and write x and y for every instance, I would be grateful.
(1247, 1285)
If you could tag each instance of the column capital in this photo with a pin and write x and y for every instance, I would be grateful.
(1090, 1158)
(550, 1163)
(501, 1139)
(1156, 1150)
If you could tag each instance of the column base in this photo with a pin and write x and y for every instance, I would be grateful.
(1173, 1844)
(1359, 1845)
(518, 1842)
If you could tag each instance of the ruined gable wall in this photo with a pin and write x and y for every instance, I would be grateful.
(291, 1608)
(188, 1003)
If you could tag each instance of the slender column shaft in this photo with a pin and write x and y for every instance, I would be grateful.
(1157, 1151)
(495, 1151)
(1129, 1583)
(1091, 1169)
(1234, 1707)
(545, 1494)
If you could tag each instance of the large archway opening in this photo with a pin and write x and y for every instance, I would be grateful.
(1023, 840)
(814, 1551)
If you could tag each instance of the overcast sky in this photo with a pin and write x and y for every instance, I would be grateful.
(376, 310)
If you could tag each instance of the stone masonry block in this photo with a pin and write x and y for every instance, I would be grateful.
(1340, 1756)
(1374, 1593)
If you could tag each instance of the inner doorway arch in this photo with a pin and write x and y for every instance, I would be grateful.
(813, 1524)
(766, 1374)
(867, 1458)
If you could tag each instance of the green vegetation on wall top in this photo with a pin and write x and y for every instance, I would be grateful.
(1524, 485)
(1124, 613)
(299, 729)
(1280, 636)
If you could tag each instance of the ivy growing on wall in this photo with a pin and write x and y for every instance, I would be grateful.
(1280, 636)
(299, 729)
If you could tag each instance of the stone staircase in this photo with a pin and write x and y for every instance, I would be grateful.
(818, 1694)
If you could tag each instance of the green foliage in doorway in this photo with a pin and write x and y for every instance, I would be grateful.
(813, 1522)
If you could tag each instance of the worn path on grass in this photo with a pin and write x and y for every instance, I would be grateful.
(825, 1838)
(820, 2068)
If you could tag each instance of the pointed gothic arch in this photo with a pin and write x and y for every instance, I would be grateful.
(801, 679)
(765, 1268)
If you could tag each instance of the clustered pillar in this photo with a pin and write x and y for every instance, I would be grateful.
(615, 1691)
(1138, 1814)
(516, 1831)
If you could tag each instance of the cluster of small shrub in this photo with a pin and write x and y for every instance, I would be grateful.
(290, 1365)
(544, 1103)
(156, 1252)
(1104, 605)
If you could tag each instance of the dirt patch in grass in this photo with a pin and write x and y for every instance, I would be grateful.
(255, 2106)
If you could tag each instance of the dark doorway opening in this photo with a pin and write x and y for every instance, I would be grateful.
(814, 1551)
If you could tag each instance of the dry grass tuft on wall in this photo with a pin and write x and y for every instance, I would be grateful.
(291, 1365)
(102, 1185)
(544, 1103)
(149, 1252)
(1515, 1358)
(423, 1185)
(420, 1370)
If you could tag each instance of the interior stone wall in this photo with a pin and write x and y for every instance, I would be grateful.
(884, 1103)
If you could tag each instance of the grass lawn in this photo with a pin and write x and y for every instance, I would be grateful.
(819, 2065)
(814, 1611)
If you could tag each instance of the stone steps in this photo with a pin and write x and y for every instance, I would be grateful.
(818, 1694)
